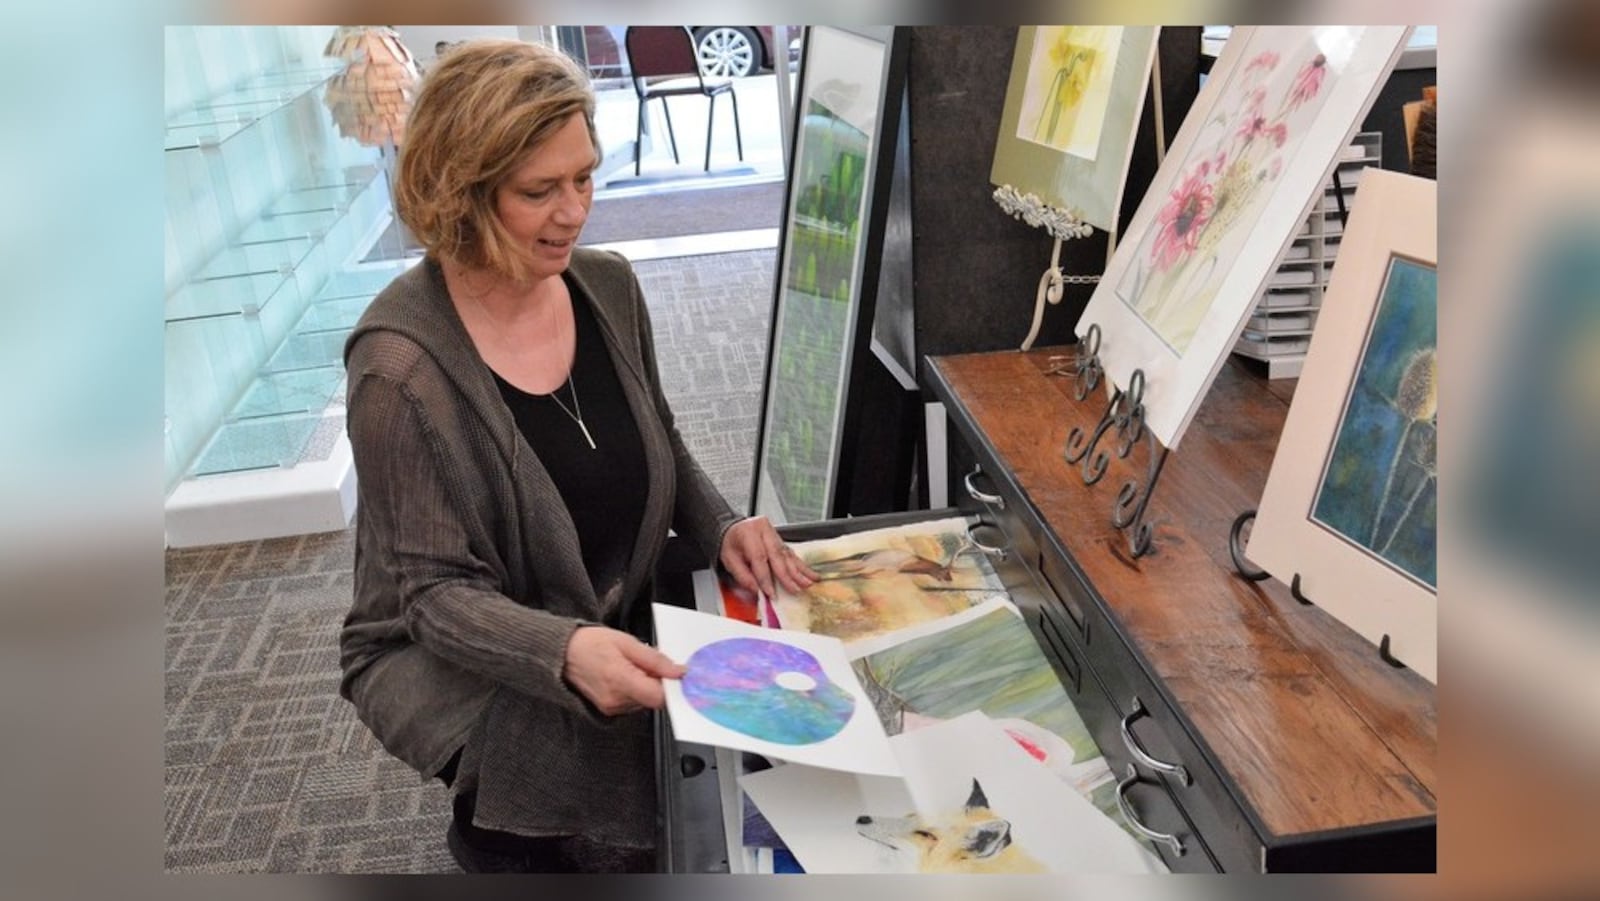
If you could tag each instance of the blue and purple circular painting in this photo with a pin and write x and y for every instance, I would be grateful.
(745, 684)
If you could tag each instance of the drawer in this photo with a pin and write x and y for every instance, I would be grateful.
(1104, 676)
(988, 494)
(1066, 584)
(1151, 802)
(1144, 728)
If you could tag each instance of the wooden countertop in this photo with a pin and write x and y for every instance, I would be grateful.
(1300, 712)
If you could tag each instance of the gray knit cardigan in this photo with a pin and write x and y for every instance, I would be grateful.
(468, 576)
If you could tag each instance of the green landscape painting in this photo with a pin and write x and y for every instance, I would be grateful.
(815, 312)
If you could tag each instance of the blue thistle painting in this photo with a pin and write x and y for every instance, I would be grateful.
(1380, 484)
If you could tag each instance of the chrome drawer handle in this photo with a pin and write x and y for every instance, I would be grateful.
(990, 551)
(1166, 838)
(980, 495)
(1143, 756)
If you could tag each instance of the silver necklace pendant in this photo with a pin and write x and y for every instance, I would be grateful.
(575, 417)
(586, 436)
(571, 376)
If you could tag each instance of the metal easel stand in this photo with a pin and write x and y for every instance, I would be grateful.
(1125, 413)
(1063, 225)
(1246, 571)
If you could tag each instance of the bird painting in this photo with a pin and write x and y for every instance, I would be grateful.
(875, 582)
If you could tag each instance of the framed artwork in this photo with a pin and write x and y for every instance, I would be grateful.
(1244, 169)
(1072, 109)
(846, 114)
(1351, 503)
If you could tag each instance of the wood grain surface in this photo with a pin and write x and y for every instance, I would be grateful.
(1316, 731)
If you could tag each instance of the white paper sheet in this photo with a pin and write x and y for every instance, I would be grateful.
(1025, 821)
(788, 695)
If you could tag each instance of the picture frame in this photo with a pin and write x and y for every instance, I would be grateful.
(1249, 160)
(847, 113)
(1351, 501)
(1072, 110)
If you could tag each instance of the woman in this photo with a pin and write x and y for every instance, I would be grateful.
(518, 470)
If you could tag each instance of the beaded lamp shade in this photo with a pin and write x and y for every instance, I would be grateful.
(370, 99)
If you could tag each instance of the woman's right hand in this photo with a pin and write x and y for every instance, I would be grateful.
(616, 672)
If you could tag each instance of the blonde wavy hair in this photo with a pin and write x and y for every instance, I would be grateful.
(483, 107)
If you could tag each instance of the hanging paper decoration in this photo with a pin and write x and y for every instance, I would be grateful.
(370, 99)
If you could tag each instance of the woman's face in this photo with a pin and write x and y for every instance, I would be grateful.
(546, 200)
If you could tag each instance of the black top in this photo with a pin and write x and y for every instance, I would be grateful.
(603, 487)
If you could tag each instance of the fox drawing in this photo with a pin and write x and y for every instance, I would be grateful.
(972, 840)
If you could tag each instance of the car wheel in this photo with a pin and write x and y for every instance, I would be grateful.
(727, 51)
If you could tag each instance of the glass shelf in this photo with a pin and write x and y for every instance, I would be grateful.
(263, 443)
(244, 294)
(304, 76)
(360, 175)
(241, 113)
(245, 276)
(363, 282)
(215, 120)
(285, 226)
(280, 393)
(256, 259)
(309, 350)
(333, 315)
(336, 198)
(264, 97)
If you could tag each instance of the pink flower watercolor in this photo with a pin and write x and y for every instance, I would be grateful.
(1256, 103)
(1308, 81)
(1251, 116)
(1266, 60)
(1181, 220)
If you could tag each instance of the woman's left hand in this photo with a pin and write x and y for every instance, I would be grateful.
(754, 555)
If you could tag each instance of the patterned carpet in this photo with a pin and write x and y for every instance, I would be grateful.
(267, 769)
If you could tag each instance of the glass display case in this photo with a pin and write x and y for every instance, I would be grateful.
(267, 207)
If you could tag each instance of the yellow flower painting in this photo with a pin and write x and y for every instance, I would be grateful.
(1069, 86)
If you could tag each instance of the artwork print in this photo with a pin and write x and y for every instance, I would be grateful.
(786, 696)
(1350, 506)
(825, 232)
(990, 663)
(1226, 179)
(1074, 98)
(1068, 87)
(972, 838)
(1379, 488)
(878, 581)
(819, 294)
(1253, 153)
(970, 801)
(766, 689)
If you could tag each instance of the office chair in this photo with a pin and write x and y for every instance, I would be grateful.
(665, 53)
